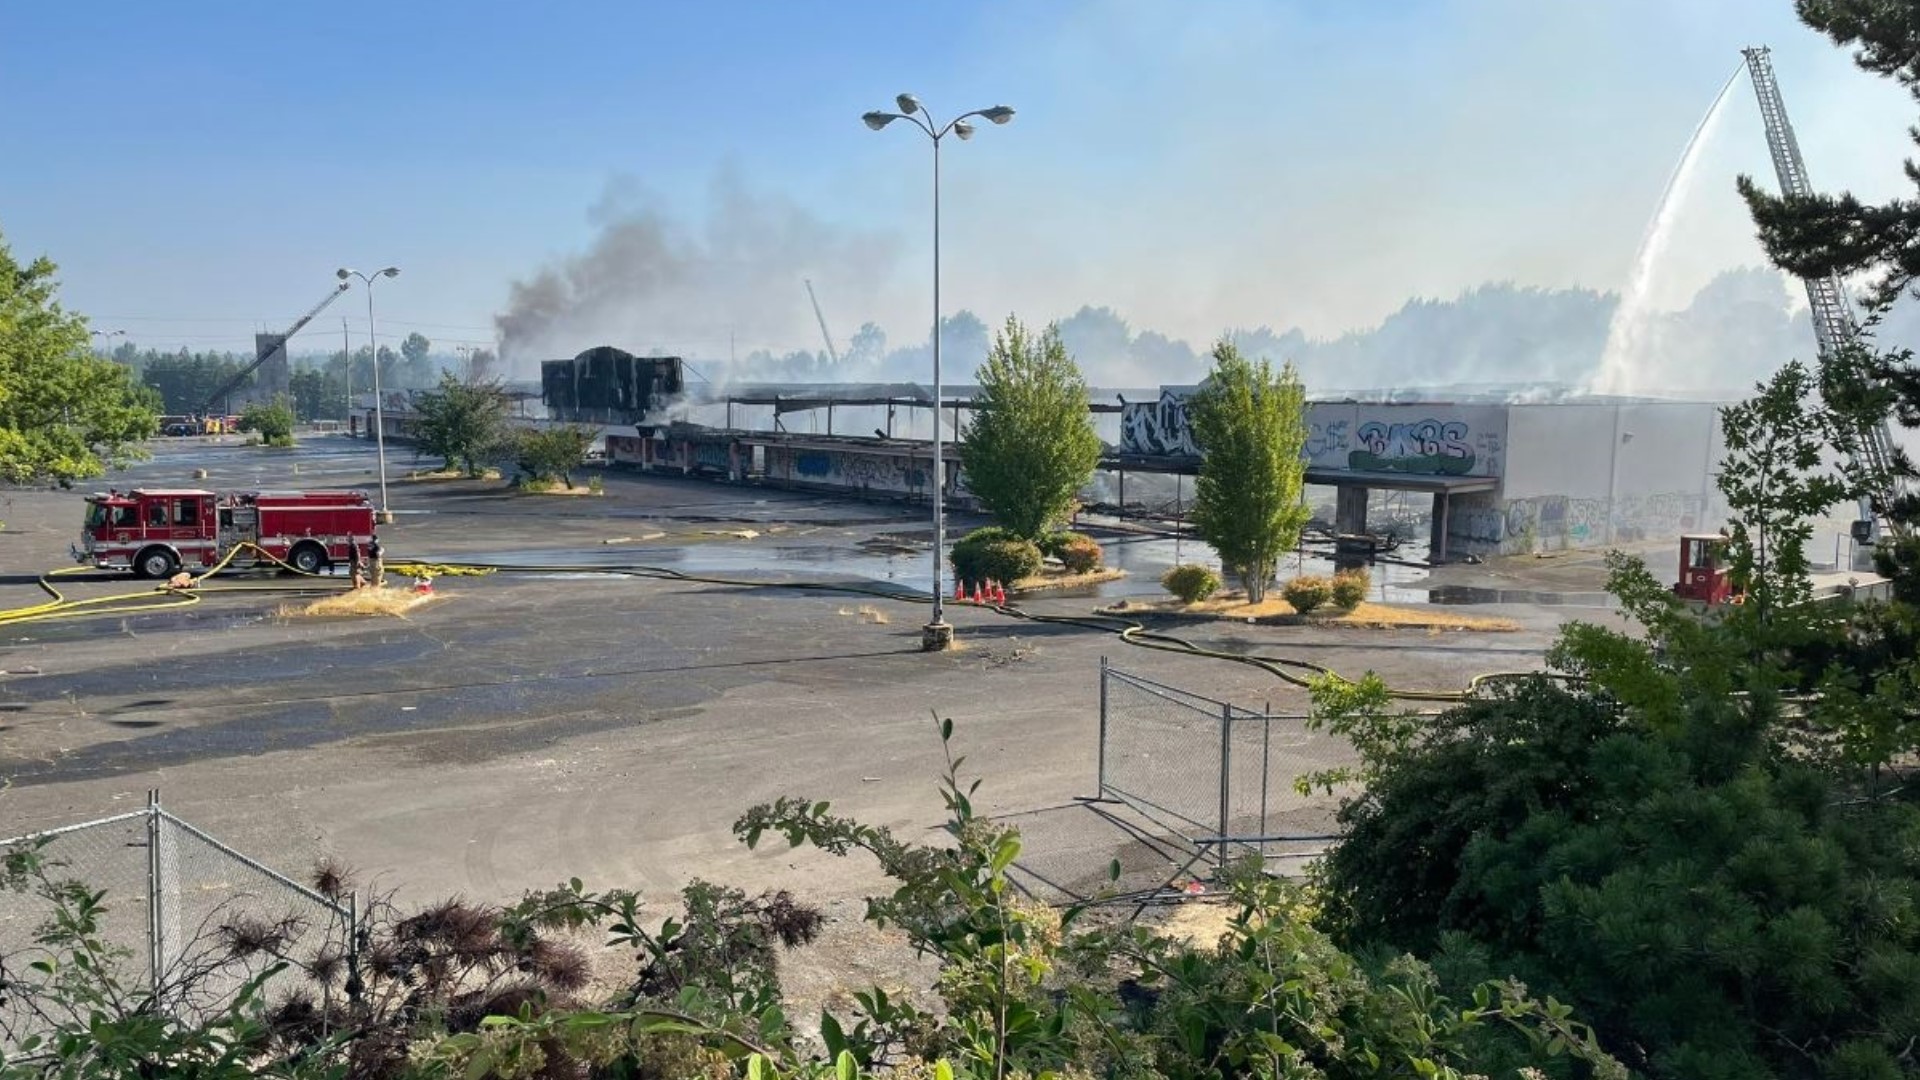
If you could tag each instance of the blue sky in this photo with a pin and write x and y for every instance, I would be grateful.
(199, 170)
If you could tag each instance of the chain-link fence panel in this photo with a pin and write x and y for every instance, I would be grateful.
(1221, 778)
(102, 870)
(160, 911)
(224, 919)
(1265, 756)
(1160, 751)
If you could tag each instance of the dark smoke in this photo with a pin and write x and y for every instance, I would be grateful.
(653, 283)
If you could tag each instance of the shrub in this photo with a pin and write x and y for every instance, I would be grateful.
(994, 553)
(272, 419)
(1191, 583)
(1350, 588)
(1053, 543)
(1081, 555)
(1307, 592)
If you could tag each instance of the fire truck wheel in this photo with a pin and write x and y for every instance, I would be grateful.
(156, 562)
(308, 558)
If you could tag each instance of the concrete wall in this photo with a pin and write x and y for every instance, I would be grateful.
(1439, 439)
(1583, 476)
(862, 471)
(1445, 440)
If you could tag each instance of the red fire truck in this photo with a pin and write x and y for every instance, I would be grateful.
(155, 532)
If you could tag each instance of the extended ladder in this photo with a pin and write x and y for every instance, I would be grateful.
(1833, 322)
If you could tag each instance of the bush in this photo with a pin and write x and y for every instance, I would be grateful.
(1005, 561)
(1350, 588)
(1078, 552)
(273, 420)
(1307, 592)
(1192, 583)
(1081, 556)
(970, 558)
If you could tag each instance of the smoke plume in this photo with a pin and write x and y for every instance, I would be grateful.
(653, 283)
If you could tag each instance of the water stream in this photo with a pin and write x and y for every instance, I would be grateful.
(1626, 362)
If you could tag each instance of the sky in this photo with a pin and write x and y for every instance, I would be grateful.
(199, 171)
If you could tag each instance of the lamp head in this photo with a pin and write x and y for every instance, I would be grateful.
(343, 273)
(908, 103)
(878, 120)
(999, 114)
(391, 271)
(963, 129)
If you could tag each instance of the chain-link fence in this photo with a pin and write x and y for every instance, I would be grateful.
(1220, 777)
(167, 913)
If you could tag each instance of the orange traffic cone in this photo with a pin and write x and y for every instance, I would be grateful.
(959, 589)
(979, 596)
(999, 594)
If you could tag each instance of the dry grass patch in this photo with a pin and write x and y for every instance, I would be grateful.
(868, 614)
(1386, 616)
(1064, 580)
(382, 601)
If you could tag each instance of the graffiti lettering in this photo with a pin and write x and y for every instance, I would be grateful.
(1424, 446)
(1326, 438)
(1157, 428)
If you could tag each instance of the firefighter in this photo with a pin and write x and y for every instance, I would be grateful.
(376, 563)
(354, 566)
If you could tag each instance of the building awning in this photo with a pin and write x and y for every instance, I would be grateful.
(1328, 477)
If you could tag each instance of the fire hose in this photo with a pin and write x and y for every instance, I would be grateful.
(1291, 670)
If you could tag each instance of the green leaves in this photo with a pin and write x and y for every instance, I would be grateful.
(65, 414)
(463, 422)
(1251, 425)
(1030, 444)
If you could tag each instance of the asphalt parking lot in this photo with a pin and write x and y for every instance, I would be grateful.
(525, 729)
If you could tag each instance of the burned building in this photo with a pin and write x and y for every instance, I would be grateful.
(606, 385)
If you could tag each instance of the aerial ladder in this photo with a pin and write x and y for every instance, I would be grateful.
(1833, 323)
(264, 348)
(832, 353)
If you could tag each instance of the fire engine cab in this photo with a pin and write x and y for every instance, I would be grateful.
(155, 532)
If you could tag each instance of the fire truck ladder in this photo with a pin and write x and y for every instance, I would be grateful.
(261, 356)
(1833, 322)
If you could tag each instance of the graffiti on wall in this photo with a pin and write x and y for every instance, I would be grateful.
(852, 470)
(1560, 523)
(1326, 438)
(1157, 428)
(1446, 440)
(1428, 446)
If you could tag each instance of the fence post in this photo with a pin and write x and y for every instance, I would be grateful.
(1226, 774)
(155, 953)
(1266, 768)
(1100, 788)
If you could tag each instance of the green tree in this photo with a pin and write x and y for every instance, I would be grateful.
(463, 422)
(1841, 234)
(1776, 480)
(1251, 425)
(553, 453)
(65, 413)
(1030, 444)
(272, 419)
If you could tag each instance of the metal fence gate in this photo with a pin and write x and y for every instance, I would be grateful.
(1218, 776)
(175, 903)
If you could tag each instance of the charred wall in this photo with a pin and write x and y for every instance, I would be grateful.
(606, 385)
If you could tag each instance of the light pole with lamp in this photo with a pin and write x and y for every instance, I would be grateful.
(106, 338)
(937, 634)
(379, 408)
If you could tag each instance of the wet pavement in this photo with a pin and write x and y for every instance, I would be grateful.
(525, 728)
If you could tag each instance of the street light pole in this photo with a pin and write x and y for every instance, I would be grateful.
(379, 406)
(106, 338)
(937, 634)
